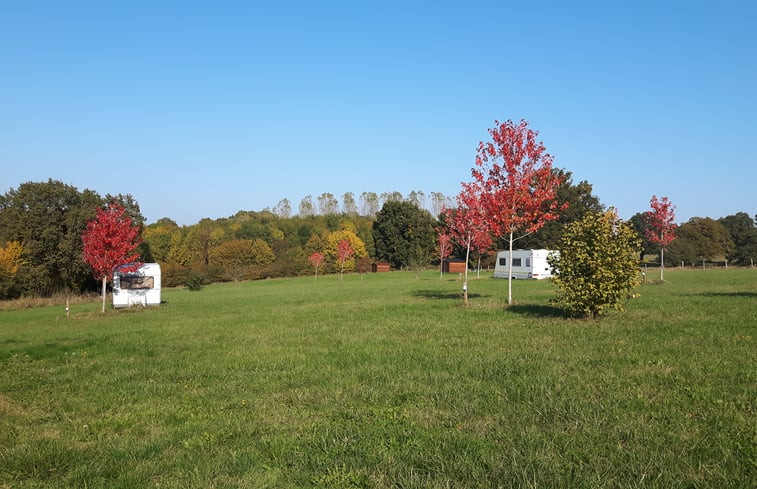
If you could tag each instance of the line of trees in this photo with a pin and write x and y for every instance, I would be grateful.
(46, 221)
(367, 204)
(41, 227)
(732, 238)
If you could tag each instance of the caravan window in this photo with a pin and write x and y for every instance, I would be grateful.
(135, 282)
(502, 262)
(516, 262)
(528, 262)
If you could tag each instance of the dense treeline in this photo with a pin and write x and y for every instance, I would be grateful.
(252, 245)
(41, 224)
(732, 239)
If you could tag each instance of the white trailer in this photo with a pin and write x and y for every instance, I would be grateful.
(526, 264)
(140, 287)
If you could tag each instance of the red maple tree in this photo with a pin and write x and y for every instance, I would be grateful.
(344, 253)
(444, 239)
(468, 224)
(109, 242)
(662, 229)
(518, 189)
(316, 259)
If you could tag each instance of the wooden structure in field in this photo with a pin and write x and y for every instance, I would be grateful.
(454, 265)
(379, 266)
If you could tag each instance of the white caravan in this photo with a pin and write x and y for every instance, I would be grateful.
(140, 287)
(526, 264)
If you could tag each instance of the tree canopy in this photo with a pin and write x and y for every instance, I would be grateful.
(404, 234)
(741, 227)
(700, 238)
(580, 202)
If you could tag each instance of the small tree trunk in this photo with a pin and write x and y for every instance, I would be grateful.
(105, 278)
(662, 264)
(465, 282)
(510, 273)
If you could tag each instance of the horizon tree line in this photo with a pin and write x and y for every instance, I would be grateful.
(41, 225)
(367, 204)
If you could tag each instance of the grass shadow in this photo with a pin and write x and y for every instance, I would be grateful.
(440, 294)
(750, 295)
(539, 311)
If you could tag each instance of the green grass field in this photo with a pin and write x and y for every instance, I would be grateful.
(385, 381)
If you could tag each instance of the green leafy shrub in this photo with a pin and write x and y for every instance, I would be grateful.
(597, 266)
(194, 280)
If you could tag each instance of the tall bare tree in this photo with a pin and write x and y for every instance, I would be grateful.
(369, 203)
(349, 206)
(327, 204)
(306, 206)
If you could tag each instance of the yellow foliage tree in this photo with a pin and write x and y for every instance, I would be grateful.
(331, 249)
(178, 252)
(10, 262)
(10, 258)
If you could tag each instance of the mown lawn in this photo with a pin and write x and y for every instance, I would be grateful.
(385, 381)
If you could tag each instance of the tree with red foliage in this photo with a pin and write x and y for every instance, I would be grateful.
(662, 229)
(444, 239)
(109, 242)
(344, 253)
(316, 259)
(518, 189)
(481, 243)
(468, 224)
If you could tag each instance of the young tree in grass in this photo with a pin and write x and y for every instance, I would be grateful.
(661, 228)
(316, 259)
(518, 189)
(481, 243)
(109, 242)
(468, 224)
(597, 266)
(344, 253)
(444, 238)
(330, 247)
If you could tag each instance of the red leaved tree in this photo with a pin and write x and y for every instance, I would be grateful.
(344, 253)
(518, 188)
(445, 248)
(109, 242)
(316, 259)
(468, 224)
(662, 229)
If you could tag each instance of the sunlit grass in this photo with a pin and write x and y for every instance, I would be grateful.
(384, 381)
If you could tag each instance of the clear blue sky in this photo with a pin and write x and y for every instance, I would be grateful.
(202, 109)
